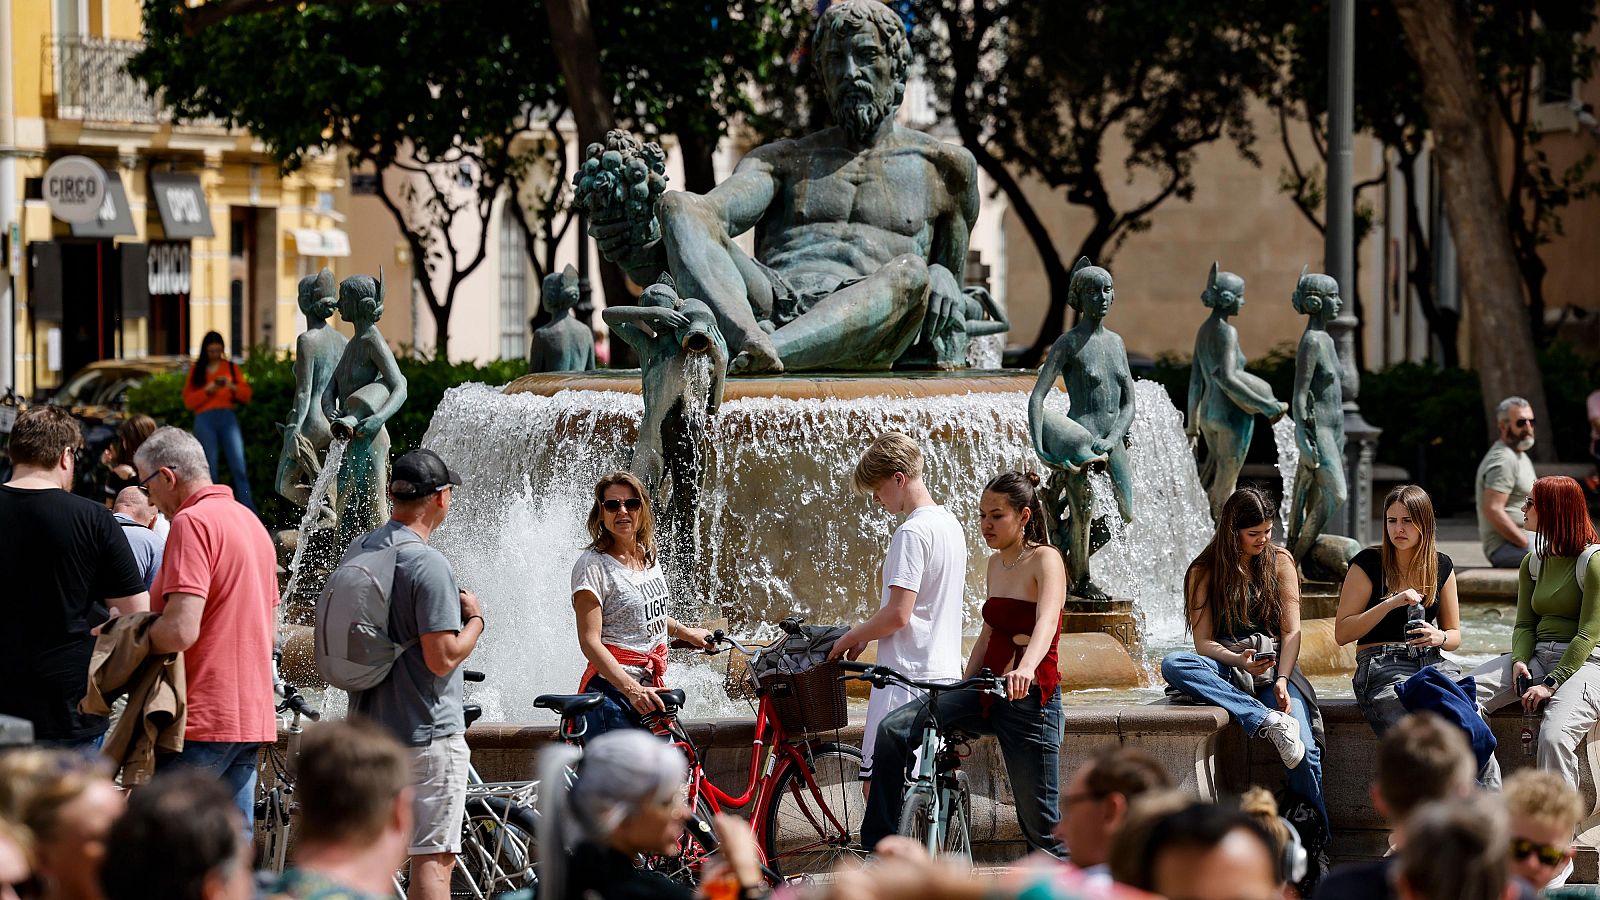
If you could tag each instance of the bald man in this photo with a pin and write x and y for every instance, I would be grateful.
(137, 515)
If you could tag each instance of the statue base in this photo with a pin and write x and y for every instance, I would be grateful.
(1319, 599)
(1114, 617)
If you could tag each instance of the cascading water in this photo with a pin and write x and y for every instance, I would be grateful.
(313, 520)
(781, 530)
(1288, 462)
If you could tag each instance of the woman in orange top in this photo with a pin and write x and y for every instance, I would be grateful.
(215, 385)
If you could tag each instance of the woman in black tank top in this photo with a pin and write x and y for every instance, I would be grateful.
(1399, 607)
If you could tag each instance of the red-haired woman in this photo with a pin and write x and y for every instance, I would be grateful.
(1553, 647)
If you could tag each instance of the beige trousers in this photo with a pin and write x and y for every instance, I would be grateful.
(1568, 715)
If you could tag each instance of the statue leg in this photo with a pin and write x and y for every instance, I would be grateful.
(1227, 448)
(1120, 467)
(1080, 499)
(706, 264)
(866, 325)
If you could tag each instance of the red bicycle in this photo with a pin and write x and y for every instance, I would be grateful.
(805, 791)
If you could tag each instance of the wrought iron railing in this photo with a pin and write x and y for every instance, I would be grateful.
(92, 83)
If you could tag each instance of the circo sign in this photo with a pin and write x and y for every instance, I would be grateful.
(75, 188)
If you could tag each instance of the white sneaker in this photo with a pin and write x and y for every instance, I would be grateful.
(1284, 733)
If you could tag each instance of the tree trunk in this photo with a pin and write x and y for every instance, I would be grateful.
(1439, 34)
(699, 161)
(589, 98)
(1442, 322)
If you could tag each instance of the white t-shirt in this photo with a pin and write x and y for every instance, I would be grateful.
(633, 603)
(928, 554)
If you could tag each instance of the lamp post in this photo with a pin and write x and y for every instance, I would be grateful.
(1361, 437)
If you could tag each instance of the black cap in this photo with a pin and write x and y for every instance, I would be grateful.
(418, 473)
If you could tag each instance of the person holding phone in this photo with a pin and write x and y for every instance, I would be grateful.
(214, 387)
(1242, 598)
(1399, 606)
(621, 600)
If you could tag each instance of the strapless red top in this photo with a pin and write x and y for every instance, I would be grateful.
(1008, 617)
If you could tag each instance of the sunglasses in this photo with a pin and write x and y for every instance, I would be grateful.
(631, 504)
(1521, 422)
(1547, 854)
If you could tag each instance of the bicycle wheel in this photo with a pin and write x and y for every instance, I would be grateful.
(958, 829)
(685, 866)
(272, 830)
(497, 849)
(814, 819)
(916, 813)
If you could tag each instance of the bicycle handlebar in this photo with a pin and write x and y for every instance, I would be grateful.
(729, 643)
(472, 675)
(880, 676)
(293, 700)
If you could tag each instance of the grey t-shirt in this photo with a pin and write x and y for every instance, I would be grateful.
(413, 703)
(147, 547)
(1503, 469)
(633, 604)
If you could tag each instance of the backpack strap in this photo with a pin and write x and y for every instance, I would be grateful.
(1583, 566)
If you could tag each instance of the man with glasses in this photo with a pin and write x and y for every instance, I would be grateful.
(1545, 812)
(216, 591)
(65, 562)
(1096, 802)
(1504, 479)
(420, 700)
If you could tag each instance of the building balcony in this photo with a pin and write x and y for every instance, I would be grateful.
(92, 84)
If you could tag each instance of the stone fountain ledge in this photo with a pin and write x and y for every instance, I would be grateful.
(1205, 753)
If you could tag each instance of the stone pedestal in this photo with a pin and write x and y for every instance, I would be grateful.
(1318, 599)
(1114, 617)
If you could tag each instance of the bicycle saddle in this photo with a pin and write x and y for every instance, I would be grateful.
(673, 699)
(472, 712)
(568, 705)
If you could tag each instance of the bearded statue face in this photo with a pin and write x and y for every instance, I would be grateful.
(862, 78)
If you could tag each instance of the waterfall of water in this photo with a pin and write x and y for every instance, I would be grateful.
(312, 519)
(1288, 462)
(781, 530)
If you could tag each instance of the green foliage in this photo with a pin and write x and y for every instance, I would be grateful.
(271, 377)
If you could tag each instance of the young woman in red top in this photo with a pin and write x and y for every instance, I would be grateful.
(214, 387)
(1027, 586)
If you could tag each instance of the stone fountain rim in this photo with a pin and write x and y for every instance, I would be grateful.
(807, 386)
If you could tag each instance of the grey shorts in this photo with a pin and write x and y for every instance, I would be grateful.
(439, 772)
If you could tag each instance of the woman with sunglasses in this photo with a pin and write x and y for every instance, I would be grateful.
(620, 596)
(1399, 606)
(1552, 661)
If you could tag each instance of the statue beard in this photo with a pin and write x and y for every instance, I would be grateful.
(859, 112)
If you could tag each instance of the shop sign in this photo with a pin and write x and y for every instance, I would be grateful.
(75, 188)
(169, 267)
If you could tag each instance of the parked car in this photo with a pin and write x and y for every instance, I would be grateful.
(97, 396)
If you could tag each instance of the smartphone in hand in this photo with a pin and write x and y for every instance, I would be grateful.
(1268, 655)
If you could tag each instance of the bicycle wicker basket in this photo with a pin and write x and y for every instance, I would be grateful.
(808, 701)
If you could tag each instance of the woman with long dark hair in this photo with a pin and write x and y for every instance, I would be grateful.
(214, 388)
(621, 600)
(1399, 606)
(1552, 661)
(1027, 586)
(1242, 600)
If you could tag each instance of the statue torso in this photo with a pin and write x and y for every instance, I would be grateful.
(358, 367)
(1319, 382)
(848, 212)
(1214, 343)
(565, 345)
(1097, 364)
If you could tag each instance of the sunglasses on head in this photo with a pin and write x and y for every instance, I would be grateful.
(631, 504)
(1549, 855)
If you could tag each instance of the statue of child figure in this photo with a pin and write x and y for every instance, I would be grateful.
(316, 352)
(366, 390)
(1224, 399)
(1319, 485)
(564, 344)
(1093, 362)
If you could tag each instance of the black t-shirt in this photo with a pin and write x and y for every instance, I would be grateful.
(1391, 629)
(1372, 880)
(595, 872)
(61, 556)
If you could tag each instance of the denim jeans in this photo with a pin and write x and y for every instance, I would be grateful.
(1204, 679)
(1029, 734)
(234, 763)
(1380, 668)
(614, 713)
(218, 433)
(89, 747)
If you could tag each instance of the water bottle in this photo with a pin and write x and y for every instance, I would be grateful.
(1530, 727)
(1414, 616)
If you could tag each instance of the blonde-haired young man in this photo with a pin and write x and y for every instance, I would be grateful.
(918, 624)
(1545, 812)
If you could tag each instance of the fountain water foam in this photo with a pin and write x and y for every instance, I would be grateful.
(781, 530)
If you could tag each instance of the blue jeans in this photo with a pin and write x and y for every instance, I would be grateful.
(1203, 678)
(218, 432)
(1029, 734)
(616, 712)
(234, 763)
(89, 747)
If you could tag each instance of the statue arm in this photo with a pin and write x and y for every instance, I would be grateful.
(330, 399)
(1048, 373)
(998, 323)
(1241, 392)
(952, 234)
(1197, 389)
(389, 373)
(303, 366)
(744, 197)
(719, 375)
(1302, 405)
(1125, 411)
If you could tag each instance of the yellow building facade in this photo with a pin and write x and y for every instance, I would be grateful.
(198, 230)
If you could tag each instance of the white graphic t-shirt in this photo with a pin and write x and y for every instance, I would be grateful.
(633, 603)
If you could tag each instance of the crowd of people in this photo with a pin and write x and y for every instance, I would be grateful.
(185, 628)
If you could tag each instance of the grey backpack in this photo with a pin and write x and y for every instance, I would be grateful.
(353, 649)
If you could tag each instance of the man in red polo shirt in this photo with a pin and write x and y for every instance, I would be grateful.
(216, 592)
